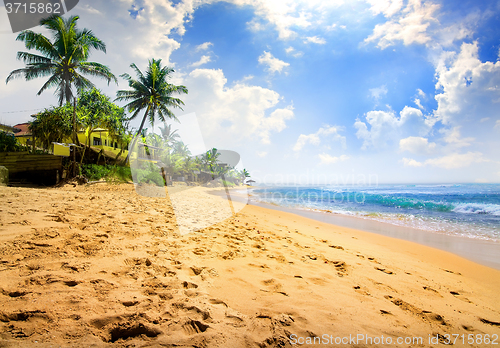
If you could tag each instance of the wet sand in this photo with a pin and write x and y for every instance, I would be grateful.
(481, 251)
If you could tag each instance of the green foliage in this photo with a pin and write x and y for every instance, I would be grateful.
(149, 174)
(96, 110)
(8, 143)
(63, 59)
(123, 173)
(52, 125)
(95, 172)
(152, 92)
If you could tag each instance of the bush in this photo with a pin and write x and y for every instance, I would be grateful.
(8, 143)
(149, 174)
(95, 172)
(123, 173)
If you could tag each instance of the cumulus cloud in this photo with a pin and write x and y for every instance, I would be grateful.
(386, 127)
(454, 139)
(452, 161)
(418, 23)
(231, 115)
(408, 162)
(203, 60)
(283, 15)
(273, 64)
(378, 92)
(329, 132)
(418, 103)
(410, 25)
(468, 88)
(291, 51)
(386, 7)
(204, 46)
(329, 159)
(417, 145)
(315, 39)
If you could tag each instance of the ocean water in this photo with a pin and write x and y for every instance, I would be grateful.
(468, 210)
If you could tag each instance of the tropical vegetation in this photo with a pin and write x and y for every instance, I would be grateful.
(151, 92)
(64, 59)
(177, 162)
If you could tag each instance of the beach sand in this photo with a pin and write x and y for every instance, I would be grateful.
(99, 265)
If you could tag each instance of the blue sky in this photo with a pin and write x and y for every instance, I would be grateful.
(335, 92)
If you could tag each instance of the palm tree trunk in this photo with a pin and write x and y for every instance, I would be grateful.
(138, 132)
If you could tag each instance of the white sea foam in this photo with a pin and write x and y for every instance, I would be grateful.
(477, 208)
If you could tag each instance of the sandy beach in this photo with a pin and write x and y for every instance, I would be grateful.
(100, 266)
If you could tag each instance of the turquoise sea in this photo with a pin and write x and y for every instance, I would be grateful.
(468, 210)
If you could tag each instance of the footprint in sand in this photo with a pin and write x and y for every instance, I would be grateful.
(386, 271)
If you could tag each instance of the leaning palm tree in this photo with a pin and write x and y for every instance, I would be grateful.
(63, 60)
(153, 92)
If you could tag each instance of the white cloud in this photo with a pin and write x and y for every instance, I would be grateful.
(273, 64)
(315, 39)
(291, 51)
(276, 122)
(386, 127)
(456, 160)
(262, 154)
(203, 60)
(452, 161)
(304, 139)
(408, 162)
(409, 26)
(331, 132)
(484, 119)
(469, 89)
(282, 14)
(417, 145)
(204, 46)
(418, 103)
(453, 138)
(328, 159)
(497, 124)
(421, 93)
(378, 92)
(387, 7)
(234, 115)
(255, 25)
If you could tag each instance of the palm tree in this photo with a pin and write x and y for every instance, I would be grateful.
(210, 161)
(64, 59)
(244, 174)
(151, 91)
(170, 136)
(181, 149)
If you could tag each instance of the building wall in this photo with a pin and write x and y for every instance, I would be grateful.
(106, 142)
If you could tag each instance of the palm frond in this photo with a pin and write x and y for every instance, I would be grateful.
(97, 70)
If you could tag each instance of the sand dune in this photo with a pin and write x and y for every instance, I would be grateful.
(99, 265)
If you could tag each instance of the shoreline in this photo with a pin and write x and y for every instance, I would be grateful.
(484, 252)
(106, 267)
